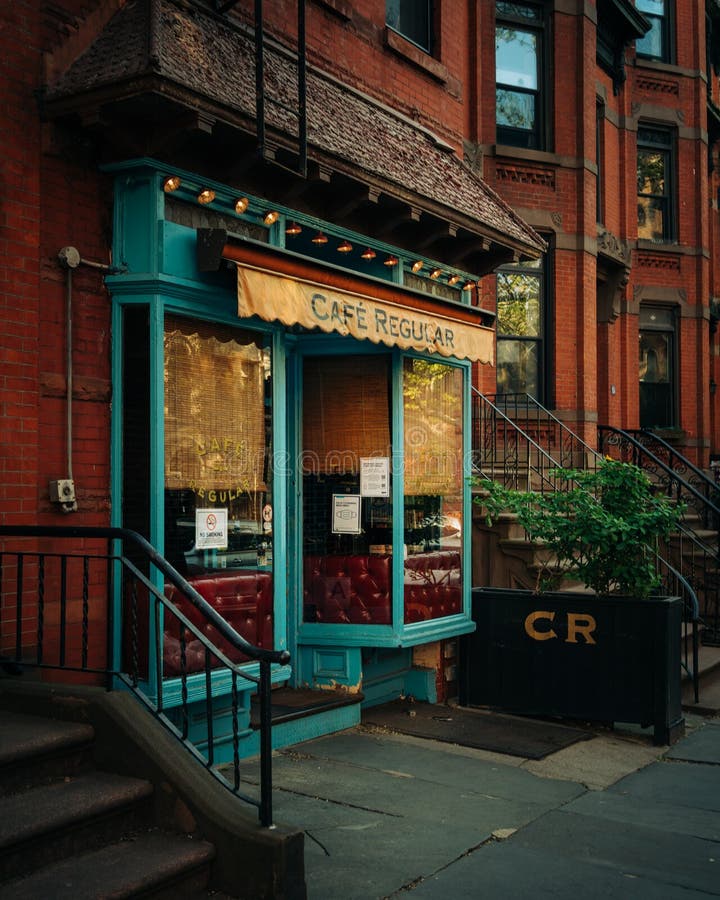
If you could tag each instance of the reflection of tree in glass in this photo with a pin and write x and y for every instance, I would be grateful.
(518, 304)
(651, 173)
(518, 10)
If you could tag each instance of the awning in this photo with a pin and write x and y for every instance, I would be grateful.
(293, 301)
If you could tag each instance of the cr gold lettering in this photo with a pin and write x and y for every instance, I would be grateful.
(578, 625)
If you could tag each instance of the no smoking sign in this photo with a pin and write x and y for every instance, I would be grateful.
(211, 529)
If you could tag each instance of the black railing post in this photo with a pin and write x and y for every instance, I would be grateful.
(265, 745)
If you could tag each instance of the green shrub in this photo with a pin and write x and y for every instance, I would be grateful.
(602, 530)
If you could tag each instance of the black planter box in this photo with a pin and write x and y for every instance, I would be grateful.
(601, 659)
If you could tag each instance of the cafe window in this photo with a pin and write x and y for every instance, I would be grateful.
(412, 19)
(433, 467)
(521, 77)
(349, 554)
(655, 163)
(218, 481)
(347, 538)
(520, 330)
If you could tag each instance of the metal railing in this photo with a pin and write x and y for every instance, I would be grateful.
(669, 469)
(519, 443)
(95, 610)
(695, 549)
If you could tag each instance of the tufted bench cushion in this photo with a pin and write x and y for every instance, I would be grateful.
(349, 589)
(356, 589)
(433, 585)
(243, 598)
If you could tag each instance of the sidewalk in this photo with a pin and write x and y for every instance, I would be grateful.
(387, 815)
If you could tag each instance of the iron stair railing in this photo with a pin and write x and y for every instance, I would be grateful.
(60, 612)
(524, 458)
(667, 467)
(696, 552)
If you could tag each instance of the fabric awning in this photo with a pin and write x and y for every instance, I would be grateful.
(293, 301)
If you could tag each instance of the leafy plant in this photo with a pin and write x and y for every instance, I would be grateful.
(602, 529)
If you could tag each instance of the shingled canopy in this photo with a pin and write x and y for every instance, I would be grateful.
(161, 74)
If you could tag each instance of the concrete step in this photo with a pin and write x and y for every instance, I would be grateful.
(48, 823)
(149, 863)
(35, 750)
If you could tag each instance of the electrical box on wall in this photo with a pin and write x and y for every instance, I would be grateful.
(63, 491)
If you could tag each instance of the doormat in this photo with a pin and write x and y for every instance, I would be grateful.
(482, 729)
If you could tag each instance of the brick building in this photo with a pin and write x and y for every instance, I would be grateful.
(230, 240)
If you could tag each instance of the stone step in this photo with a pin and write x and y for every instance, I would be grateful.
(35, 750)
(147, 863)
(47, 823)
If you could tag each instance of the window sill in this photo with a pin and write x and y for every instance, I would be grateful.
(413, 54)
(538, 156)
(669, 246)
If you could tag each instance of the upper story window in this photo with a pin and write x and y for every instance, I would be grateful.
(521, 315)
(412, 19)
(655, 164)
(520, 68)
(600, 159)
(655, 44)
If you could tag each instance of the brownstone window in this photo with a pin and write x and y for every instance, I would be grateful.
(655, 163)
(520, 74)
(520, 330)
(655, 44)
(600, 160)
(412, 19)
(657, 367)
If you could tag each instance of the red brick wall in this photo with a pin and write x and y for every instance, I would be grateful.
(50, 200)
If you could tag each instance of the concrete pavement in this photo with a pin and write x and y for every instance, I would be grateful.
(386, 815)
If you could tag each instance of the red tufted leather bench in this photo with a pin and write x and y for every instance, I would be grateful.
(350, 589)
(244, 599)
(433, 586)
(356, 589)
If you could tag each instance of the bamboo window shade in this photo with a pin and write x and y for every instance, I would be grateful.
(433, 445)
(346, 412)
(215, 433)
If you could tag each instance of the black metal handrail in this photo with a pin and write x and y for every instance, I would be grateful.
(503, 451)
(62, 600)
(678, 475)
(699, 561)
(524, 454)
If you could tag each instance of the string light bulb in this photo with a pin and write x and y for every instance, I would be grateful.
(241, 204)
(271, 217)
(206, 196)
(171, 183)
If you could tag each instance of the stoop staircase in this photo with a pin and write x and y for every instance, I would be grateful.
(68, 830)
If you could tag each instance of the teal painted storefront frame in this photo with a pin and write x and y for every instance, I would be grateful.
(156, 259)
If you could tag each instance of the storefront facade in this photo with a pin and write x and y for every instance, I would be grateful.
(293, 434)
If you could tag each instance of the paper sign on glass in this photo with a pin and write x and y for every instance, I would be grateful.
(211, 529)
(346, 514)
(375, 476)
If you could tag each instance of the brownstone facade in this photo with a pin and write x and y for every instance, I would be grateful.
(599, 274)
